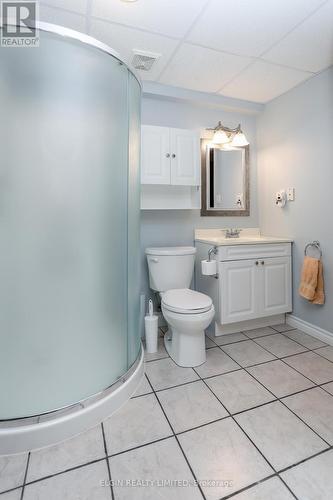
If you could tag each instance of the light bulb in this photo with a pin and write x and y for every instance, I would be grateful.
(220, 137)
(239, 140)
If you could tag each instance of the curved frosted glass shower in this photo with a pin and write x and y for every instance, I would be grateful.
(69, 224)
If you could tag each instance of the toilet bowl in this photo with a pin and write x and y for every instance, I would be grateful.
(187, 312)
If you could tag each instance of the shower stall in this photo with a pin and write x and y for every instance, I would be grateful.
(70, 348)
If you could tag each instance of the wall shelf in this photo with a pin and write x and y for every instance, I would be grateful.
(167, 197)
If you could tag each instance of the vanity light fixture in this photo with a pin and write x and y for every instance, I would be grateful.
(220, 137)
(229, 136)
(239, 140)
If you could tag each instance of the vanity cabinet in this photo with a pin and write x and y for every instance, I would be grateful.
(169, 156)
(254, 288)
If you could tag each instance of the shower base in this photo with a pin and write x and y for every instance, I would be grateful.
(25, 434)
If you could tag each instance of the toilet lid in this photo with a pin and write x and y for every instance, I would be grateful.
(170, 251)
(186, 301)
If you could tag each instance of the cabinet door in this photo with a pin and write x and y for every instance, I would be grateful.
(240, 294)
(185, 154)
(275, 285)
(155, 155)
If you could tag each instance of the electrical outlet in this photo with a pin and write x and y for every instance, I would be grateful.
(291, 194)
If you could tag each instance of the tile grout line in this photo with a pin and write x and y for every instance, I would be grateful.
(168, 437)
(293, 340)
(176, 437)
(315, 384)
(292, 355)
(246, 488)
(242, 430)
(287, 407)
(175, 434)
(49, 476)
(321, 452)
(320, 437)
(107, 460)
(282, 402)
(25, 476)
(238, 425)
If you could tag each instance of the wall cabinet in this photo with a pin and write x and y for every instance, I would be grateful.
(169, 156)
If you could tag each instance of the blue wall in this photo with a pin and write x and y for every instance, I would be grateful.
(295, 149)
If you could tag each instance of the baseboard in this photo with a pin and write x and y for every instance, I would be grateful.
(309, 328)
(252, 324)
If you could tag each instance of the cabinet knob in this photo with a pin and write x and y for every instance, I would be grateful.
(167, 155)
(262, 262)
(257, 263)
(173, 155)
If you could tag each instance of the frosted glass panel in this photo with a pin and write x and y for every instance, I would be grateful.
(63, 225)
(134, 184)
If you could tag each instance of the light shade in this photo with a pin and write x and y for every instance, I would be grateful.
(239, 140)
(220, 137)
(228, 147)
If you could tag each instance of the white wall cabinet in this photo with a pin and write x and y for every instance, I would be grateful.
(155, 155)
(169, 156)
(254, 288)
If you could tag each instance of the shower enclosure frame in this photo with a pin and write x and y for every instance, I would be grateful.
(23, 434)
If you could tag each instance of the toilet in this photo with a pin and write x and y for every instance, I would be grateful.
(187, 312)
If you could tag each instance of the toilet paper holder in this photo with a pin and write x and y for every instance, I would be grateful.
(210, 251)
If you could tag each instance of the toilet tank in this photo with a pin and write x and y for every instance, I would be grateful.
(170, 267)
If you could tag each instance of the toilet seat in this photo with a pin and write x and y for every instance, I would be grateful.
(186, 301)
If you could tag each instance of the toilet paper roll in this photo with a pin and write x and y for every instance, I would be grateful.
(208, 268)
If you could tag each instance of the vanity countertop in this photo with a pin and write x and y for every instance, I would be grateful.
(248, 236)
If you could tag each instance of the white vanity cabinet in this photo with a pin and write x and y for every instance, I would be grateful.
(254, 288)
(169, 156)
(253, 285)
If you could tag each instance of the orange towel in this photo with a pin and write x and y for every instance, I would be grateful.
(319, 296)
(312, 281)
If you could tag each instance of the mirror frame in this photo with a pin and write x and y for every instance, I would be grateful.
(224, 213)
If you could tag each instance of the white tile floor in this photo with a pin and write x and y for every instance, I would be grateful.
(253, 423)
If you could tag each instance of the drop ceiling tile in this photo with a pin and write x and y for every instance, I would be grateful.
(79, 6)
(202, 69)
(310, 46)
(263, 81)
(124, 40)
(249, 27)
(63, 18)
(165, 17)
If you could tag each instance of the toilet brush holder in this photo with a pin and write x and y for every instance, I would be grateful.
(151, 333)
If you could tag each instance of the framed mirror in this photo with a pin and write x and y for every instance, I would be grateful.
(225, 180)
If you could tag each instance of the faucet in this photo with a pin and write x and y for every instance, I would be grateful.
(232, 233)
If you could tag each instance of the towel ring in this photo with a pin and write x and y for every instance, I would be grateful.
(315, 244)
